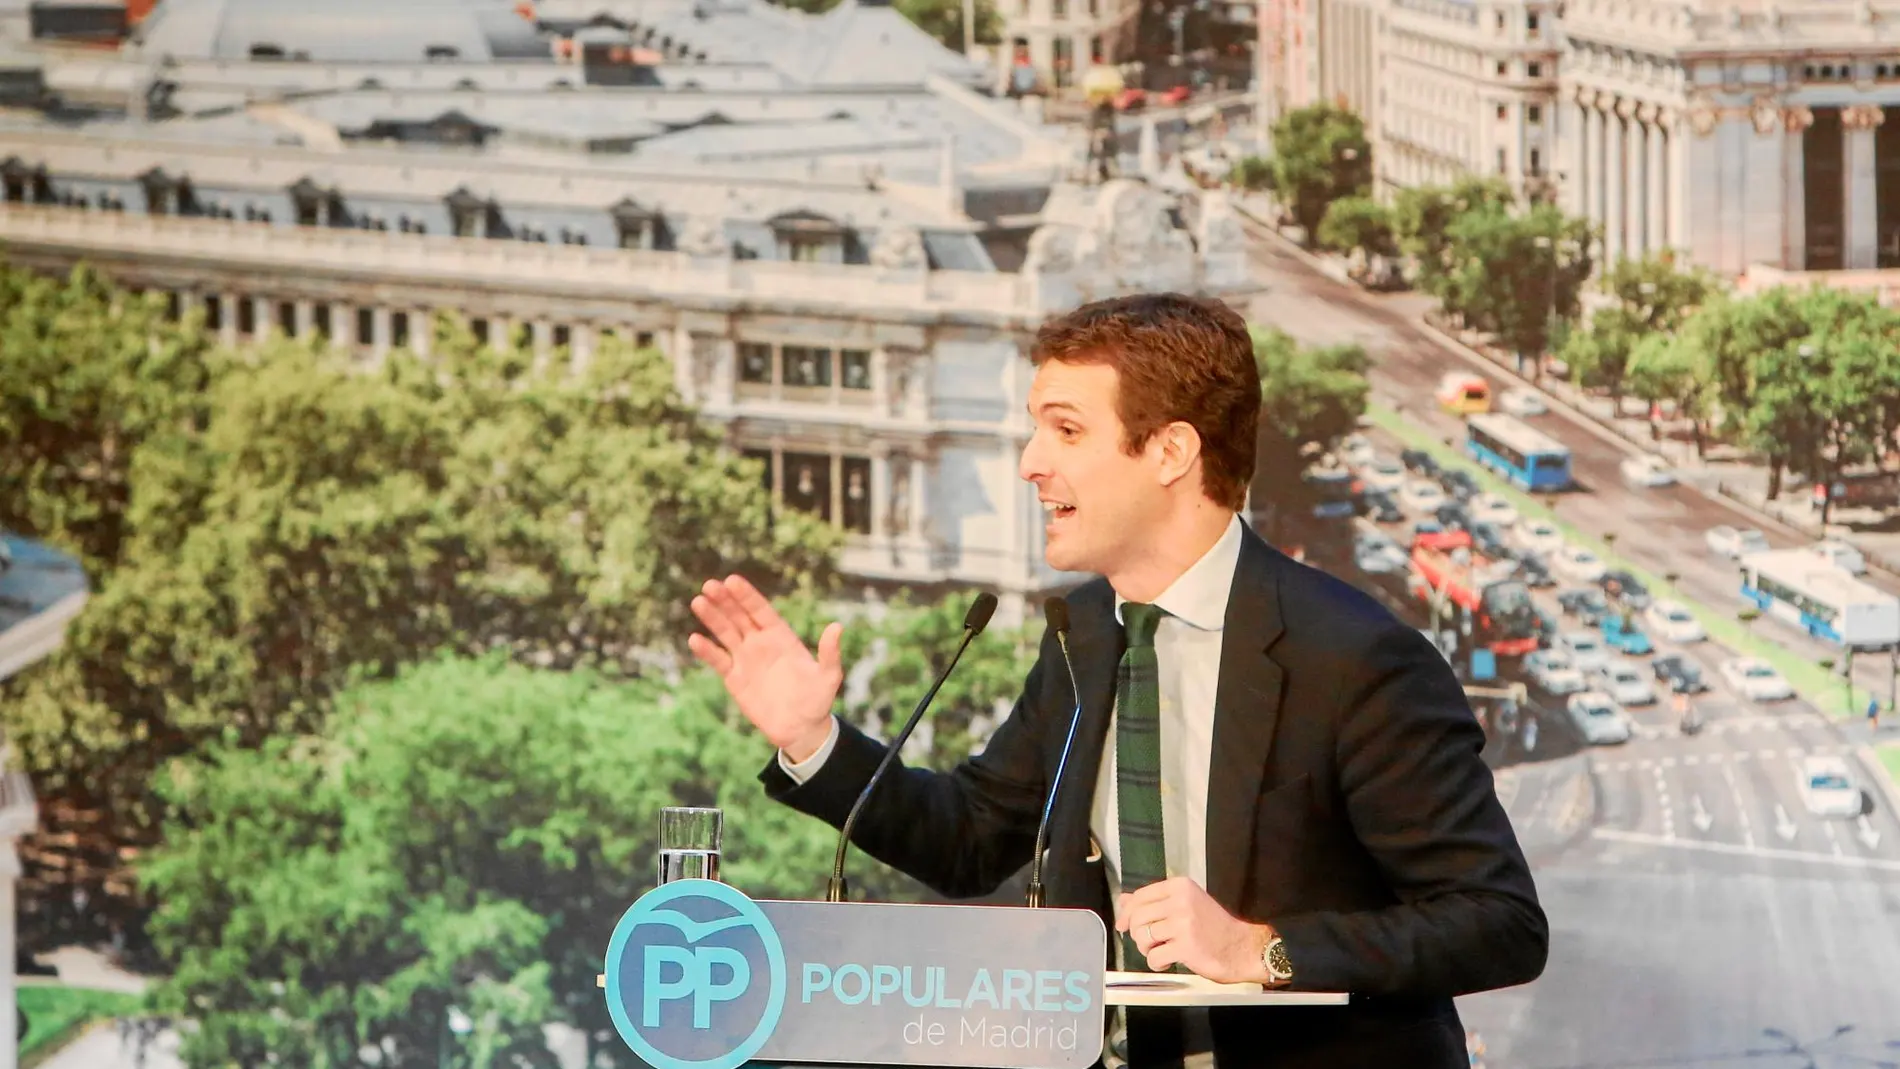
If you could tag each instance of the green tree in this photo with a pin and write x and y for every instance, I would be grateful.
(1320, 154)
(1664, 367)
(321, 523)
(463, 836)
(1422, 218)
(1310, 396)
(1650, 295)
(1253, 173)
(1516, 274)
(1362, 225)
(90, 373)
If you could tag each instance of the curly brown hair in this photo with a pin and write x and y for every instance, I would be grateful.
(1180, 359)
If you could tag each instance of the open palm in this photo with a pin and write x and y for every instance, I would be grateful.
(777, 683)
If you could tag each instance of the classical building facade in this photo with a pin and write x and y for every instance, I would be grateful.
(1746, 134)
(1059, 40)
(845, 275)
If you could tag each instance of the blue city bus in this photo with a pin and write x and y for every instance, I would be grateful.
(1529, 458)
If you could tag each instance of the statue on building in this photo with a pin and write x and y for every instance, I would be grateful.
(899, 248)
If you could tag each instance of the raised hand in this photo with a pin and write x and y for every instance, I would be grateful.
(785, 691)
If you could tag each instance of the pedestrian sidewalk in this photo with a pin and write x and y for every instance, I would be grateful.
(119, 1045)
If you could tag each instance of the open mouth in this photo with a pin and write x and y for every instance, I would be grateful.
(1057, 510)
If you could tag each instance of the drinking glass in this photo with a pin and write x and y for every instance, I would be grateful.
(689, 843)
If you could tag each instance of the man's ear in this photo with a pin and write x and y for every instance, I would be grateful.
(1180, 448)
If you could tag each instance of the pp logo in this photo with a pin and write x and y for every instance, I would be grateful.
(695, 976)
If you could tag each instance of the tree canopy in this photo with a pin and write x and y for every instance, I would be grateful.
(1320, 155)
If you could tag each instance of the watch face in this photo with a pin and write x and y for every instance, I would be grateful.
(1278, 961)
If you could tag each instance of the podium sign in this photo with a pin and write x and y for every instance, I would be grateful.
(699, 976)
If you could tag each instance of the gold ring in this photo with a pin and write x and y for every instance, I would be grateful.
(1150, 929)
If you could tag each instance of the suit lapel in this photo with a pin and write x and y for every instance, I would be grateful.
(1095, 643)
(1246, 713)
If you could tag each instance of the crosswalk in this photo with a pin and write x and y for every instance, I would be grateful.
(1735, 725)
(1717, 758)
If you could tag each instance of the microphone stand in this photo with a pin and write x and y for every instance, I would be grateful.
(1059, 622)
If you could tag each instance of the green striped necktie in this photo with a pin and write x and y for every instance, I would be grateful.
(1144, 857)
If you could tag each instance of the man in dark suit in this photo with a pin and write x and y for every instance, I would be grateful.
(1275, 780)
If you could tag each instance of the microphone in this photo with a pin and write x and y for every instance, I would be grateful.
(1057, 612)
(974, 621)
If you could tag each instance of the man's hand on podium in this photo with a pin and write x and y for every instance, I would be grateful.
(776, 682)
(1176, 922)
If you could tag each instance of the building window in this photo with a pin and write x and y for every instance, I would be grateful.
(856, 497)
(480, 327)
(1503, 68)
(755, 362)
(246, 316)
(1058, 9)
(1500, 161)
(808, 483)
(1534, 70)
(855, 365)
(399, 329)
(1500, 20)
(1530, 23)
(366, 326)
(1503, 112)
(214, 312)
(805, 366)
(321, 321)
(563, 335)
(643, 340)
(287, 318)
(1533, 114)
(1537, 162)
(804, 250)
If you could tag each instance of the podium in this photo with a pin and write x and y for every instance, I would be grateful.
(700, 976)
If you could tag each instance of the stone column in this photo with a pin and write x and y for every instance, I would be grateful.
(1614, 181)
(1592, 158)
(1657, 194)
(880, 491)
(1794, 214)
(305, 319)
(380, 332)
(1701, 217)
(1635, 180)
(342, 325)
(228, 318)
(1862, 237)
(421, 331)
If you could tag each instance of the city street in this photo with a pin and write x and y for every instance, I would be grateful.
(1695, 902)
(1407, 364)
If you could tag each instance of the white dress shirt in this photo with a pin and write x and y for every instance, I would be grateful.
(1187, 653)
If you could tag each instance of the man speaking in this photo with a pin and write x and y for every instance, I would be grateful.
(1275, 780)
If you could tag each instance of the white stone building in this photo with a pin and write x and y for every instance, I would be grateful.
(1749, 134)
(845, 274)
(1059, 40)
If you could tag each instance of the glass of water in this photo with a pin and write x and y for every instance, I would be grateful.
(689, 843)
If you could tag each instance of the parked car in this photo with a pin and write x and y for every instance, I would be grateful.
(1378, 506)
(1673, 621)
(1419, 462)
(1453, 516)
(1827, 787)
(1382, 473)
(1488, 540)
(1621, 586)
(1599, 718)
(1536, 575)
(1419, 496)
(1578, 564)
(1620, 631)
(1538, 536)
(1735, 542)
(1458, 484)
(1521, 402)
(1585, 649)
(1756, 679)
(1375, 554)
(1840, 555)
(1625, 684)
(1553, 671)
(1356, 450)
(1680, 673)
(1586, 603)
(1646, 470)
(1492, 508)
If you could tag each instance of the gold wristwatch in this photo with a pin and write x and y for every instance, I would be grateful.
(1274, 959)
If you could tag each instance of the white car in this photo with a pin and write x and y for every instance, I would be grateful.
(1624, 683)
(1553, 671)
(1599, 718)
(1383, 474)
(1420, 497)
(1756, 679)
(1356, 451)
(1673, 621)
(1537, 536)
(1377, 555)
(1646, 470)
(1840, 555)
(1491, 508)
(1584, 648)
(1735, 542)
(1577, 563)
(1521, 402)
(1827, 787)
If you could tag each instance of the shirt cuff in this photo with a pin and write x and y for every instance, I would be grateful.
(806, 769)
